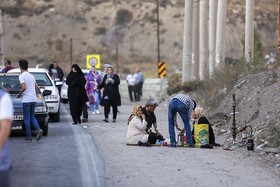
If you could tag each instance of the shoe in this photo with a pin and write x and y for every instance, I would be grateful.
(191, 146)
(79, 121)
(172, 145)
(106, 120)
(93, 113)
(84, 120)
(27, 140)
(97, 112)
(74, 123)
(148, 144)
(114, 121)
(39, 135)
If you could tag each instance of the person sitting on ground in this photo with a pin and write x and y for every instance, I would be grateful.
(199, 117)
(136, 129)
(148, 111)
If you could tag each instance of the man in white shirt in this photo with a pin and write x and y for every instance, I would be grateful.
(131, 82)
(29, 90)
(6, 117)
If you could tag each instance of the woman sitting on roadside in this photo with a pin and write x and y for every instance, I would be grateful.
(136, 129)
(199, 117)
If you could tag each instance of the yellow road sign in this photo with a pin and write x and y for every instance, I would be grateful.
(161, 69)
(93, 59)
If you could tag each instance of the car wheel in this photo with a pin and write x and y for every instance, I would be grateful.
(64, 100)
(56, 117)
(46, 129)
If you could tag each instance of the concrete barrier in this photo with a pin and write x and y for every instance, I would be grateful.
(152, 88)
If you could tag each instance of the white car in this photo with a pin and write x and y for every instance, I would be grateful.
(45, 82)
(64, 88)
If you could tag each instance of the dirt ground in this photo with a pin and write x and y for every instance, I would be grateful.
(164, 166)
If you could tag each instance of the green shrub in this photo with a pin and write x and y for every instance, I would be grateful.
(123, 17)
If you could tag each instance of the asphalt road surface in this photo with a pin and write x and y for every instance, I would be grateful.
(96, 154)
(66, 157)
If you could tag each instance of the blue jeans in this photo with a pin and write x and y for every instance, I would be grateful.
(28, 114)
(176, 106)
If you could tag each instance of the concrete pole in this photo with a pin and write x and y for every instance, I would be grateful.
(1, 40)
(187, 47)
(203, 40)
(220, 37)
(278, 47)
(195, 41)
(213, 6)
(249, 31)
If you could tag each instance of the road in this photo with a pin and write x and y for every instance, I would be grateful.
(68, 157)
(76, 155)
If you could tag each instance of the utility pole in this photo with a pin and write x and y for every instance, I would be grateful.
(187, 41)
(1, 39)
(158, 39)
(220, 37)
(117, 41)
(71, 51)
(213, 6)
(278, 27)
(249, 31)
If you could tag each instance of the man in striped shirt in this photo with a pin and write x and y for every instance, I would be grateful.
(185, 106)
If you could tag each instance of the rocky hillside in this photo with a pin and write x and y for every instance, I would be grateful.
(41, 30)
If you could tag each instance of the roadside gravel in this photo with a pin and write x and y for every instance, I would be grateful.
(164, 166)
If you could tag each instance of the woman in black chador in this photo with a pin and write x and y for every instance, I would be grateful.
(76, 92)
(111, 95)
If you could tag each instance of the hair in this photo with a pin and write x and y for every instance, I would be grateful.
(8, 62)
(23, 64)
(199, 111)
(134, 112)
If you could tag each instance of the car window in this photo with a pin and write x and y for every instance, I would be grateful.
(42, 79)
(10, 83)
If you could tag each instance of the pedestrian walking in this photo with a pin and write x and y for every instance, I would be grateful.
(29, 91)
(6, 117)
(111, 95)
(185, 106)
(76, 92)
(93, 79)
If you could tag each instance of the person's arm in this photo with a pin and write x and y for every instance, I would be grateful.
(23, 88)
(5, 129)
(36, 89)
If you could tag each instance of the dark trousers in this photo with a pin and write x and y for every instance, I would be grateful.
(131, 89)
(138, 91)
(85, 112)
(107, 111)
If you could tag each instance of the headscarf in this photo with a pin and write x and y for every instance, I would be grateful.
(199, 112)
(134, 112)
(77, 67)
(73, 78)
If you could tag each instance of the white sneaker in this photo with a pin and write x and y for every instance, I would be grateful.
(97, 112)
(93, 112)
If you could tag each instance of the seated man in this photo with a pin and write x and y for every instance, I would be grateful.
(148, 111)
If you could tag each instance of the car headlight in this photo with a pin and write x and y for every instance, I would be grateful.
(56, 97)
(40, 109)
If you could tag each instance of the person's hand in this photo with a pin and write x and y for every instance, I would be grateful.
(18, 96)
